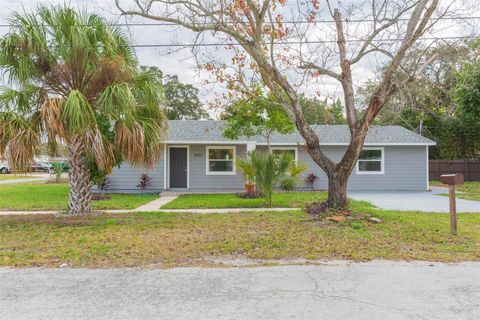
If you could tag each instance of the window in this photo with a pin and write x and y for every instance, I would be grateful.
(285, 150)
(221, 160)
(371, 161)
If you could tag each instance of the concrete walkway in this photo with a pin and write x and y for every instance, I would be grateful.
(335, 290)
(24, 180)
(156, 204)
(431, 201)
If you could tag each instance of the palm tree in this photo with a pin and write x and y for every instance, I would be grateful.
(246, 166)
(73, 79)
(270, 170)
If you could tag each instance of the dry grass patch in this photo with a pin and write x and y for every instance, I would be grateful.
(166, 239)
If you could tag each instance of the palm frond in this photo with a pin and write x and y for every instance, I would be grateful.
(77, 116)
(52, 116)
(19, 140)
(130, 141)
(117, 101)
(246, 166)
(101, 150)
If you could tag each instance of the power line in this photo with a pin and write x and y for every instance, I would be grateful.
(153, 24)
(292, 42)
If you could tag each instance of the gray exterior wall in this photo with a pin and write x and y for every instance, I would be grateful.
(126, 178)
(405, 169)
(199, 180)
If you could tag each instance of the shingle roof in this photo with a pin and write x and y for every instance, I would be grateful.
(212, 131)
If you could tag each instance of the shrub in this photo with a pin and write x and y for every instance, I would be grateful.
(293, 173)
(99, 196)
(250, 195)
(311, 178)
(145, 181)
(249, 171)
(316, 208)
(57, 171)
(287, 184)
(103, 183)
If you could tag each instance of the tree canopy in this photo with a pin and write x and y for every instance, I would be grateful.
(257, 116)
(73, 78)
(181, 100)
(265, 49)
(444, 98)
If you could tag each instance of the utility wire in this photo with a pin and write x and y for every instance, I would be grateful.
(153, 24)
(293, 42)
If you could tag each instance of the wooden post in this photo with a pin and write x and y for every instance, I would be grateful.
(452, 180)
(453, 209)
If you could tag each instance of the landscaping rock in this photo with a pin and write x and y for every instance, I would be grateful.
(337, 218)
(375, 220)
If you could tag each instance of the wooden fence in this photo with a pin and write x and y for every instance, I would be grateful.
(469, 168)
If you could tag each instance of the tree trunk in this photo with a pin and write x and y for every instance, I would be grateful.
(80, 195)
(337, 190)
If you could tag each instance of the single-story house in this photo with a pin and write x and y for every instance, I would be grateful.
(197, 158)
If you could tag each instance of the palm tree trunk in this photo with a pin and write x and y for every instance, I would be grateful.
(80, 195)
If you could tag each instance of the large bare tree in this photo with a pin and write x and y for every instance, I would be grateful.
(276, 38)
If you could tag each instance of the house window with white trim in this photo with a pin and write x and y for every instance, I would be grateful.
(286, 150)
(221, 160)
(371, 161)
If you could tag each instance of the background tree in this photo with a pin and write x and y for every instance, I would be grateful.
(317, 111)
(73, 78)
(436, 101)
(260, 116)
(181, 100)
(282, 55)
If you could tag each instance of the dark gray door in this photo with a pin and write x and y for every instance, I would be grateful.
(178, 167)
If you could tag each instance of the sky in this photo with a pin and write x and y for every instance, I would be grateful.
(180, 61)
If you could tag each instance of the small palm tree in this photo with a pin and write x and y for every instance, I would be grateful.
(270, 170)
(293, 175)
(74, 79)
(249, 171)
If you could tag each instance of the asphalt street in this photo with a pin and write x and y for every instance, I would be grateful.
(336, 290)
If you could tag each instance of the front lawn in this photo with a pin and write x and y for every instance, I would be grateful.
(230, 200)
(469, 191)
(172, 239)
(50, 196)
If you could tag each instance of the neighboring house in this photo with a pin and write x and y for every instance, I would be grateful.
(198, 158)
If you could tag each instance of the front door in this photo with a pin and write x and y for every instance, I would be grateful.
(178, 167)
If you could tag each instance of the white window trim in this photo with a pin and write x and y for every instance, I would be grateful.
(220, 173)
(382, 162)
(287, 148)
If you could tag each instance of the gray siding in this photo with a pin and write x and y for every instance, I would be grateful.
(199, 180)
(405, 169)
(126, 178)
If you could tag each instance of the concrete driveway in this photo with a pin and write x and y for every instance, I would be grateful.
(430, 201)
(341, 290)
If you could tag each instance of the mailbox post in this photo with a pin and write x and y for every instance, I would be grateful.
(452, 180)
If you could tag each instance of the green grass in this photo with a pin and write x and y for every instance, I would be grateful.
(49, 196)
(230, 200)
(168, 239)
(470, 189)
